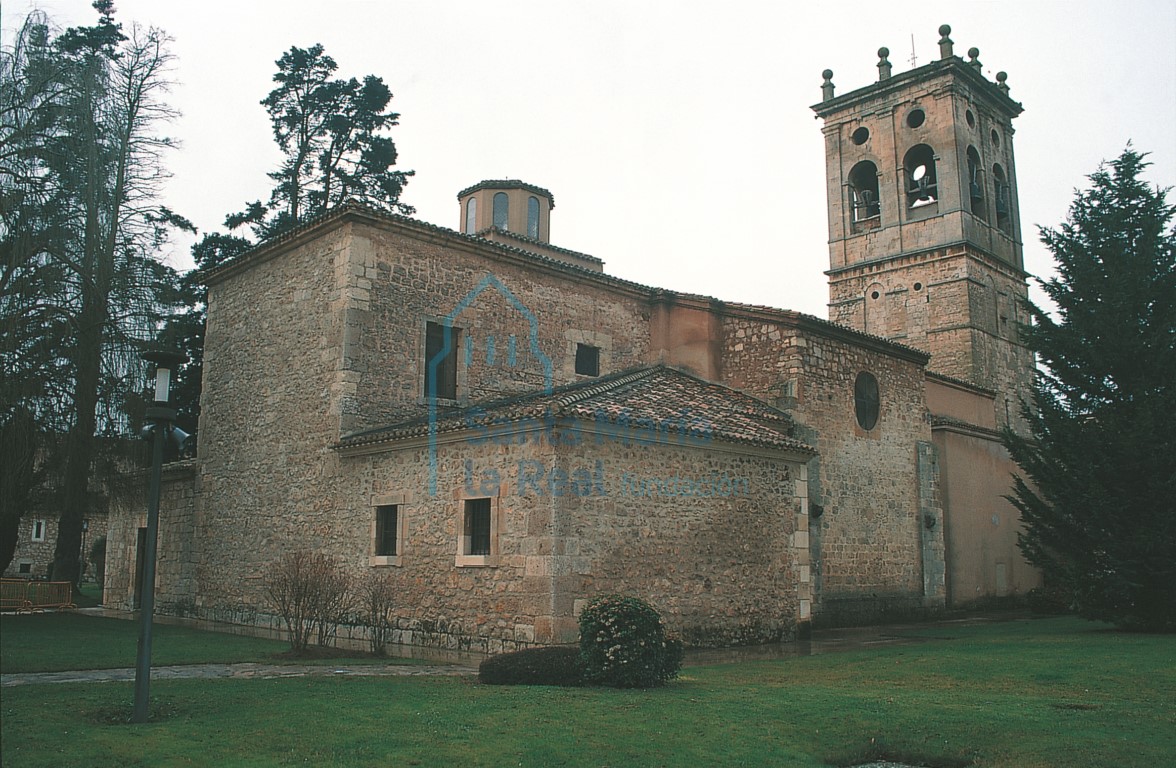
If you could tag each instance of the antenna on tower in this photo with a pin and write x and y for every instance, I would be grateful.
(914, 60)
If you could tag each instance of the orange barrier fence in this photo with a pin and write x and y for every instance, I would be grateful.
(25, 595)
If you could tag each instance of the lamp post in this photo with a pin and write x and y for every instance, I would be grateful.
(82, 552)
(160, 419)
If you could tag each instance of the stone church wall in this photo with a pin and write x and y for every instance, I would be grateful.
(958, 306)
(408, 280)
(708, 536)
(270, 414)
(715, 536)
(868, 542)
(175, 583)
(981, 534)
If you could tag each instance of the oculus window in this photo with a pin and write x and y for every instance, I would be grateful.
(866, 400)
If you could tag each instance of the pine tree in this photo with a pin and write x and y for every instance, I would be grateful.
(332, 135)
(1098, 495)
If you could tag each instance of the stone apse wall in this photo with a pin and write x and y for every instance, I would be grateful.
(722, 568)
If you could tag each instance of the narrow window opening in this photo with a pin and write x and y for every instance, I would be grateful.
(476, 531)
(38, 530)
(441, 342)
(501, 204)
(387, 518)
(533, 218)
(587, 360)
(1004, 221)
(975, 183)
(471, 223)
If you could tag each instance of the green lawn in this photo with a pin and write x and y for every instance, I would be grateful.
(33, 643)
(50, 642)
(1053, 692)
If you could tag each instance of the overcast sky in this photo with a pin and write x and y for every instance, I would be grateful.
(676, 137)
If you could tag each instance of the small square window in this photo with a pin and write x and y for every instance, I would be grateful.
(387, 531)
(26, 568)
(587, 360)
(38, 530)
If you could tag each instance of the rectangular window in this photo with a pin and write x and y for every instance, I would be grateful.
(587, 360)
(387, 530)
(441, 344)
(38, 530)
(476, 535)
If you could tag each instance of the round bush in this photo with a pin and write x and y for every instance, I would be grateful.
(554, 665)
(623, 644)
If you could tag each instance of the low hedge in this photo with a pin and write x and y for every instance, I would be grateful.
(551, 665)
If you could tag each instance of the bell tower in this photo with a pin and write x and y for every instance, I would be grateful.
(924, 232)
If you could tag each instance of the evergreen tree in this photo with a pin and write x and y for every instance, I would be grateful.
(332, 134)
(1098, 496)
(80, 226)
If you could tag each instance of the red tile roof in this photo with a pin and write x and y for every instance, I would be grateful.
(645, 405)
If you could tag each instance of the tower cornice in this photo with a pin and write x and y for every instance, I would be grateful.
(900, 83)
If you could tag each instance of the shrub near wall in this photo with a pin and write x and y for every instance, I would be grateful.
(623, 644)
(552, 665)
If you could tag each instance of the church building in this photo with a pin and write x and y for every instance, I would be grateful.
(507, 430)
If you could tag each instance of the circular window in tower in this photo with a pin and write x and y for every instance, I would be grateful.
(995, 138)
(971, 118)
(866, 400)
(916, 118)
(860, 136)
(874, 295)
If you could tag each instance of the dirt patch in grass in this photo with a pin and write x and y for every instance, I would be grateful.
(122, 714)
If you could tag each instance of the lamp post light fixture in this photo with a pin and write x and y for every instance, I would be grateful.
(160, 428)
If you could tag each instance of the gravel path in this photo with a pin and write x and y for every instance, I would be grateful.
(190, 671)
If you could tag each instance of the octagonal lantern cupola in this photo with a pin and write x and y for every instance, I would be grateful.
(507, 205)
